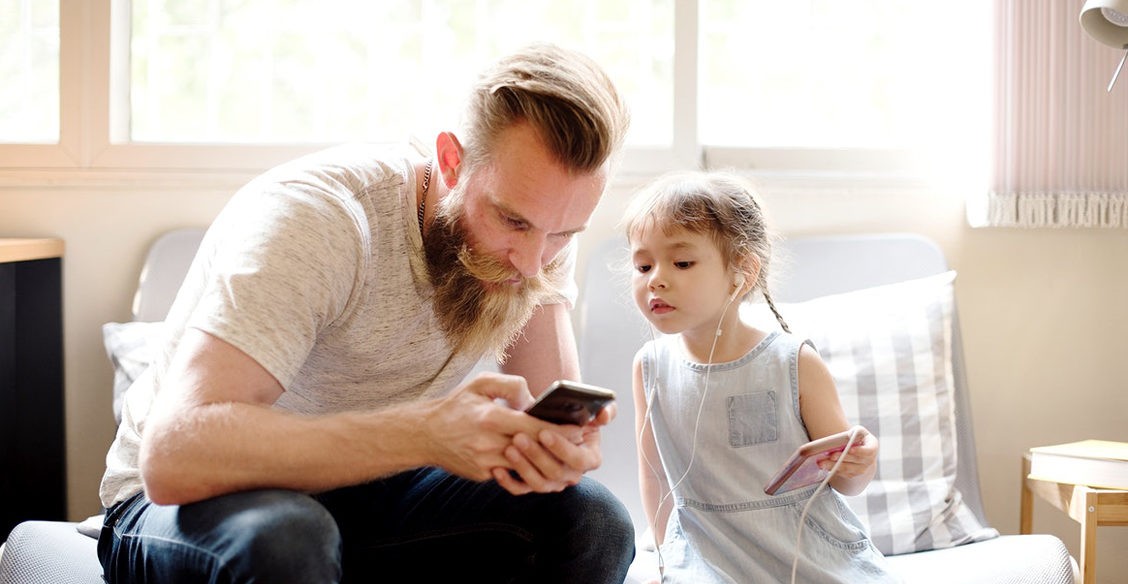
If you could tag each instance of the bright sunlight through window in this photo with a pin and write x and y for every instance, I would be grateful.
(266, 71)
(29, 68)
(874, 74)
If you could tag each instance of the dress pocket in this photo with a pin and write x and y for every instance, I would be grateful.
(753, 419)
(832, 520)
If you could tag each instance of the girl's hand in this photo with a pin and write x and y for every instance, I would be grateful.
(856, 461)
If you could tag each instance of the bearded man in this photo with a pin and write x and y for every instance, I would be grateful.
(308, 419)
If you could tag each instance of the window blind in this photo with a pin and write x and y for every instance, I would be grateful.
(1061, 139)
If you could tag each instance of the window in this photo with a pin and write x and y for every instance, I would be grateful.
(832, 74)
(877, 86)
(332, 70)
(29, 67)
(801, 88)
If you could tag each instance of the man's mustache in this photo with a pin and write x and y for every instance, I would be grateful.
(487, 268)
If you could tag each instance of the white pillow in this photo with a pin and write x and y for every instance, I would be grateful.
(889, 349)
(131, 348)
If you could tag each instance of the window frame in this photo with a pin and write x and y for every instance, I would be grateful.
(94, 77)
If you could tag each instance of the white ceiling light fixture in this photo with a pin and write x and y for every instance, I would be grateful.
(1107, 22)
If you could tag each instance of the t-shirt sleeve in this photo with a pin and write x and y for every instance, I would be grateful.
(283, 267)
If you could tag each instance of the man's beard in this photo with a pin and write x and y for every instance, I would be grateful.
(479, 307)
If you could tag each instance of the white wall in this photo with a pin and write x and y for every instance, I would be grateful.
(1042, 315)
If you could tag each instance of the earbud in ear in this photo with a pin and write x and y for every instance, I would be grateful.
(737, 284)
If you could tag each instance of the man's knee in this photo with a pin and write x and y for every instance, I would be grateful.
(280, 536)
(604, 515)
(595, 543)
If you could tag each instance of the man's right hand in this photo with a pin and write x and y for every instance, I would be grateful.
(470, 430)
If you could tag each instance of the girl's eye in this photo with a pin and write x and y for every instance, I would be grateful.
(683, 265)
(642, 269)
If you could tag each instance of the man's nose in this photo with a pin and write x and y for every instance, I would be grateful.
(527, 255)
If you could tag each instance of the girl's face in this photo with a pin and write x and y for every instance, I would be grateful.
(680, 281)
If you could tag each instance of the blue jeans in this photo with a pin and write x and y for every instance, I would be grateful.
(426, 525)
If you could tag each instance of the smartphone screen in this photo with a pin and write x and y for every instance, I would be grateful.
(570, 402)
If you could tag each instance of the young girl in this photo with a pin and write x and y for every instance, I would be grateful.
(721, 405)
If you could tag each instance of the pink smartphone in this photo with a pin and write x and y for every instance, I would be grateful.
(802, 468)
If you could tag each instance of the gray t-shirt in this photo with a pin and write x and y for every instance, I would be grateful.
(316, 271)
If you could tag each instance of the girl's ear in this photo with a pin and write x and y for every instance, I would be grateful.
(750, 269)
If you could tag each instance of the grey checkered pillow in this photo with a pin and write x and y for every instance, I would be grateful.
(889, 351)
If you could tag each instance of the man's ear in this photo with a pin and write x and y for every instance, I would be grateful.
(449, 152)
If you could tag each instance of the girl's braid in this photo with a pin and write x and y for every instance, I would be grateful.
(772, 306)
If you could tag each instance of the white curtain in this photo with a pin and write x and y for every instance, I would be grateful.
(1061, 140)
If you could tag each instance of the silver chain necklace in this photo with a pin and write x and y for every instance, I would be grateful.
(426, 185)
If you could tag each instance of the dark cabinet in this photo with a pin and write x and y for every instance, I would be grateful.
(32, 432)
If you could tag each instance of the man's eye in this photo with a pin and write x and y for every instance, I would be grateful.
(515, 223)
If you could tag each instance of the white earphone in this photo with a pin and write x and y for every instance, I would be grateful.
(737, 284)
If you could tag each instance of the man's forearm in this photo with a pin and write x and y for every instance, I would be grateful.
(219, 448)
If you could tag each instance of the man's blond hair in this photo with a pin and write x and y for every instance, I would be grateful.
(566, 97)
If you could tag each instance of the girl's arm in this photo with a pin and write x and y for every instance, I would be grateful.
(651, 476)
(822, 414)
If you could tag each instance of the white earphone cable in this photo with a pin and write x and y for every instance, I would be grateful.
(696, 424)
(807, 506)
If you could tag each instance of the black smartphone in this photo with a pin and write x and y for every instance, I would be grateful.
(570, 402)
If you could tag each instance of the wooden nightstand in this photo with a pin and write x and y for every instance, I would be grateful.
(1090, 507)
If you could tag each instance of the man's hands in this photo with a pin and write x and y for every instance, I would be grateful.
(475, 436)
(554, 461)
